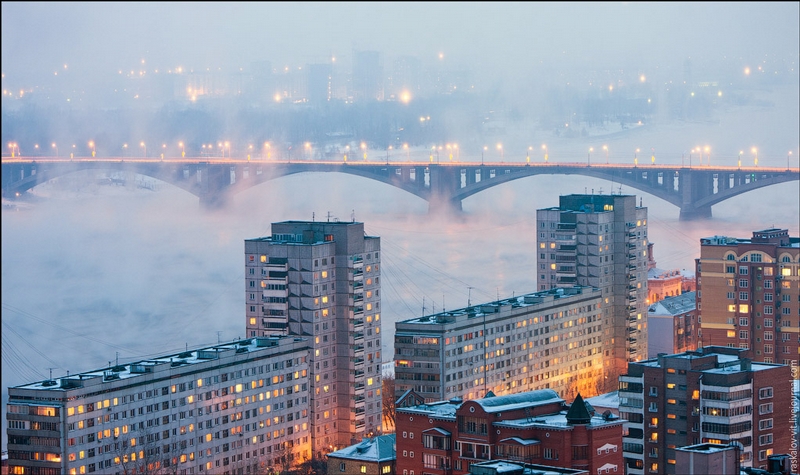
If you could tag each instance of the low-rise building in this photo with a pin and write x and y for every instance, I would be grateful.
(449, 437)
(674, 326)
(707, 458)
(228, 408)
(373, 456)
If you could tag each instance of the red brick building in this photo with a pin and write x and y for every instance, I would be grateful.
(536, 427)
(748, 294)
(714, 395)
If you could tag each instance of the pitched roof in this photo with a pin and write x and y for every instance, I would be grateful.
(578, 412)
(376, 449)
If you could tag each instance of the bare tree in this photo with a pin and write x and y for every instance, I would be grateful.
(388, 404)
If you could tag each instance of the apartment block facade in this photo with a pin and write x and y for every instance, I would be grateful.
(673, 325)
(601, 241)
(548, 339)
(321, 280)
(714, 395)
(225, 409)
(535, 427)
(748, 294)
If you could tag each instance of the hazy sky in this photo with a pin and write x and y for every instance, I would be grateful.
(93, 38)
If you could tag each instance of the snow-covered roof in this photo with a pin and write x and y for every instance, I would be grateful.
(376, 449)
(672, 306)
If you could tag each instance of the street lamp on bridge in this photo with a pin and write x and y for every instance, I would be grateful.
(788, 155)
(755, 152)
(605, 147)
(54, 146)
(183, 149)
(544, 147)
(589, 157)
(635, 158)
(502, 154)
(482, 152)
(91, 146)
(708, 155)
(143, 145)
(740, 158)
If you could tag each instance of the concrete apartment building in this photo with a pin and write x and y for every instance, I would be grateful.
(601, 241)
(673, 325)
(748, 293)
(448, 437)
(224, 409)
(548, 339)
(321, 280)
(713, 395)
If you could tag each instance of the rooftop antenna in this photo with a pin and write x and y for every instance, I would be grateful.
(218, 337)
(329, 216)
(640, 201)
(469, 296)
(423, 306)
(117, 363)
(313, 216)
(51, 373)
(444, 309)
(353, 216)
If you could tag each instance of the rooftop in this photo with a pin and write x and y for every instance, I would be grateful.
(676, 305)
(376, 449)
(535, 298)
(141, 368)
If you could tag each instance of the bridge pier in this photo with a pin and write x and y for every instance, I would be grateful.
(213, 200)
(690, 213)
(444, 206)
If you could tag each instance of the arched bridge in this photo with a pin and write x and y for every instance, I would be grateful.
(694, 190)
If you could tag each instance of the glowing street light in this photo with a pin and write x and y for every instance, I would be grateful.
(307, 146)
(450, 152)
(708, 155)
(544, 147)
(346, 151)
(228, 146)
(268, 148)
(364, 148)
(635, 158)
(528, 156)
(653, 157)
(54, 146)
(605, 147)
(124, 149)
(788, 156)
(13, 146)
(142, 144)
(249, 151)
(482, 151)
(72, 153)
(502, 154)
(405, 146)
(755, 152)
(183, 149)
(91, 146)
(740, 158)
(589, 157)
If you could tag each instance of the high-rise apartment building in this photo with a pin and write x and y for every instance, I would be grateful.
(713, 395)
(748, 293)
(229, 408)
(544, 340)
(601, 241)
(367, 79)
(321, 280)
